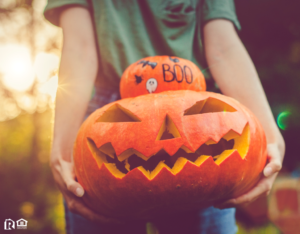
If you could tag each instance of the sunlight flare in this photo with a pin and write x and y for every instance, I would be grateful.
(50, 87)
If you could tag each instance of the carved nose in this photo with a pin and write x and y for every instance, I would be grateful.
(168, 130)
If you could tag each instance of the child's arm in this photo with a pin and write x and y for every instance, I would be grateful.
(235, 74)
(77, 73)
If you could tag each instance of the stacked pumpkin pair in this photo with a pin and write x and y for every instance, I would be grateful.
(167, 145)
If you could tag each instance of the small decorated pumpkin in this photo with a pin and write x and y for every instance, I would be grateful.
(163, 152)
(160, 73)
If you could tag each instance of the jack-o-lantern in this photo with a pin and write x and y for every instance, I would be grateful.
(160, 73)
(175, 150)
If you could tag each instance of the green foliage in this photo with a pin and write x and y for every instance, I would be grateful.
(266, 229)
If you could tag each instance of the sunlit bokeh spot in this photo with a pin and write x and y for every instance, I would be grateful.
(45, 66)
(282, 120)
(10, 108)
(50, 87)
(42, 101)
(27, 103)
(27, 209)
(16, 67)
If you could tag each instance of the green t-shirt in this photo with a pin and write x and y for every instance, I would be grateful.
(128, 30)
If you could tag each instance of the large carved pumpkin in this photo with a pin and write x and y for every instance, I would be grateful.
(160, 73)
(175, 150)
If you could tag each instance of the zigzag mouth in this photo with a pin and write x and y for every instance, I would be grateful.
(135, 161)
(150, 166)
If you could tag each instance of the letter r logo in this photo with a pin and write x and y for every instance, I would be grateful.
(9, 224)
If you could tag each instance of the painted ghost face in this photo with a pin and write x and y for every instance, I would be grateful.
(151, 85)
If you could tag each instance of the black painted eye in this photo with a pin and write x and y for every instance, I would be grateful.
(145, 63)
(138, 79)
(209, 105)
(175, 60)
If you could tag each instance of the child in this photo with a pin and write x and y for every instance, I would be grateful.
(102, 38)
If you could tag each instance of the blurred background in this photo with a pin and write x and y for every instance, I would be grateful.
(29, 58)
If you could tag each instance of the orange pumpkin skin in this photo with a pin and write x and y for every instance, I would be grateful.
(198, 184)
(160, 73)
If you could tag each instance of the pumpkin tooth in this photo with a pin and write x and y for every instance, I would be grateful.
(144, 171)
(98, 155)
(225, 154)
(228, 136)
(179, 164)
(201, 160)
(186, 149)
(114, 170)
(210, 142)
(129, 152)
(231, 135)
(242, 143)
(158, 168)
(108, 149)
(127, 166)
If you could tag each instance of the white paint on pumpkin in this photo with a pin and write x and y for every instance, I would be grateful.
(151, 85)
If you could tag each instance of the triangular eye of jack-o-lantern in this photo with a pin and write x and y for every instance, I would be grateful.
(117, 113)
(209, 105)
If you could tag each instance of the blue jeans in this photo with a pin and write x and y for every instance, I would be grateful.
(206, 221)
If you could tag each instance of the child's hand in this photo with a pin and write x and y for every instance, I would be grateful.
(263, 187)
(64, 176)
